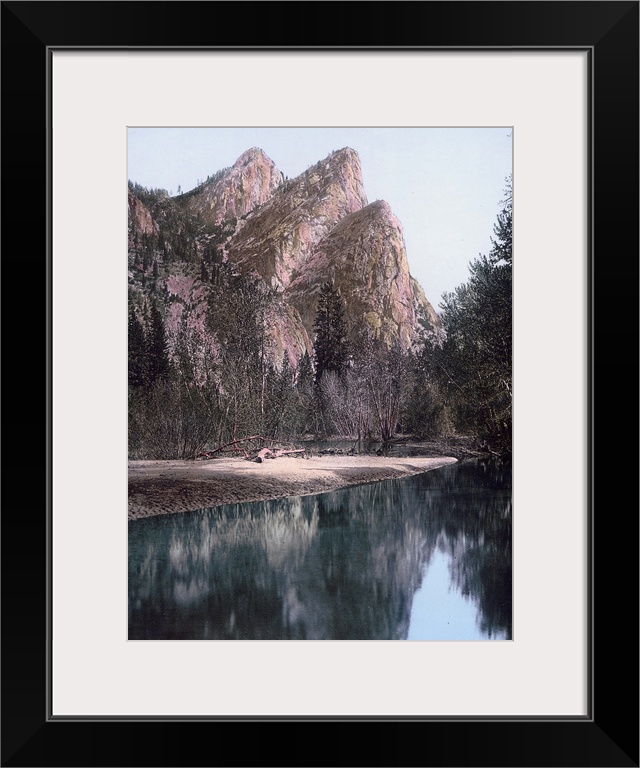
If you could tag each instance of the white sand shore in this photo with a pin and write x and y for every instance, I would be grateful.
(162, 487)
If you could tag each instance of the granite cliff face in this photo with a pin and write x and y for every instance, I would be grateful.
(236, 191)
(365, 256)
(281, 235)
(291, 235)
(140, 219)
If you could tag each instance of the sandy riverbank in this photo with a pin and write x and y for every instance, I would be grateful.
(162, 487)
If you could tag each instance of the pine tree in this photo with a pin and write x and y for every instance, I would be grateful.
(331, 350)
(137, 351)
(304, 374)
(305, 400)
(158, 357)
(475, 358)
(502, 248)
(154, 283)
(281, 410)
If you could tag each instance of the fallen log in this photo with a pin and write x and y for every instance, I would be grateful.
(227, 446)
(244, 440)
(267, 453)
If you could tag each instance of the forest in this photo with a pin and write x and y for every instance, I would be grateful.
(187, 398)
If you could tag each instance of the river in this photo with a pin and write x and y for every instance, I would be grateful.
(426, 557)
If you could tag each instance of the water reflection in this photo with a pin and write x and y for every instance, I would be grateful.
(344, 565)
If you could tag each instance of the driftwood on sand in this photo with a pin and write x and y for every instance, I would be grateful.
(250, 453)
(267, 453)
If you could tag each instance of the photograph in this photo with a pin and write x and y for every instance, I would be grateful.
(302, 359)
(319, 383)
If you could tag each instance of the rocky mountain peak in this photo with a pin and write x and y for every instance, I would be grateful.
(279, 236)
(236, 191)
(365, 257)
(253, 155)
(342, 168)
(382, 208)
(377, 214)
(294, 235)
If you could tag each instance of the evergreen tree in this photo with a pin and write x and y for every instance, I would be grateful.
(304, 374)
(331, 350)
(502, 248)
(158, 356)
(475, 357)
(305, 400)
(285, 379)
(137, 351)
(154, 283)
(282, 405)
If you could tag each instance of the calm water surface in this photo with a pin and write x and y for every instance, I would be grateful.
(422, 558)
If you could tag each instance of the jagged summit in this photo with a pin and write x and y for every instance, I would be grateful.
(235, 192)
(378, 211)
(254, 154)
(382, 206)
(280, 235)
(346, 154)
(293, 235)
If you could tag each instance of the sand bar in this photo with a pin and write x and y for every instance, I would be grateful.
(163, 487)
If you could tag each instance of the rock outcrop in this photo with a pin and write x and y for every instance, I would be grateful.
(236, 191)
(287, 334)
(365, 257)
(280, 237)
(292, 234)
(140, 219)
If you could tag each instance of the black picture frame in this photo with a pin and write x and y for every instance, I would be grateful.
(608, 736)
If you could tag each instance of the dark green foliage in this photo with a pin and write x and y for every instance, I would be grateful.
(285, 379)
(474, 360)
(158, 356)
(425, 410)
(147, 196)
(201, 185)
(331, 358)
(180, 233)
(304, 417)
(137, 349)
(281, 412)
(331, 349)
(502, 248)
(304, 374)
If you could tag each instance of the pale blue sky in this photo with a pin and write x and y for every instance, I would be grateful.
(444, 184)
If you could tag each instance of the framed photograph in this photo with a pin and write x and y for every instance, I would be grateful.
(562, 81)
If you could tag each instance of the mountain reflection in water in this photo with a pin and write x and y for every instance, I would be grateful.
(343, 565)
